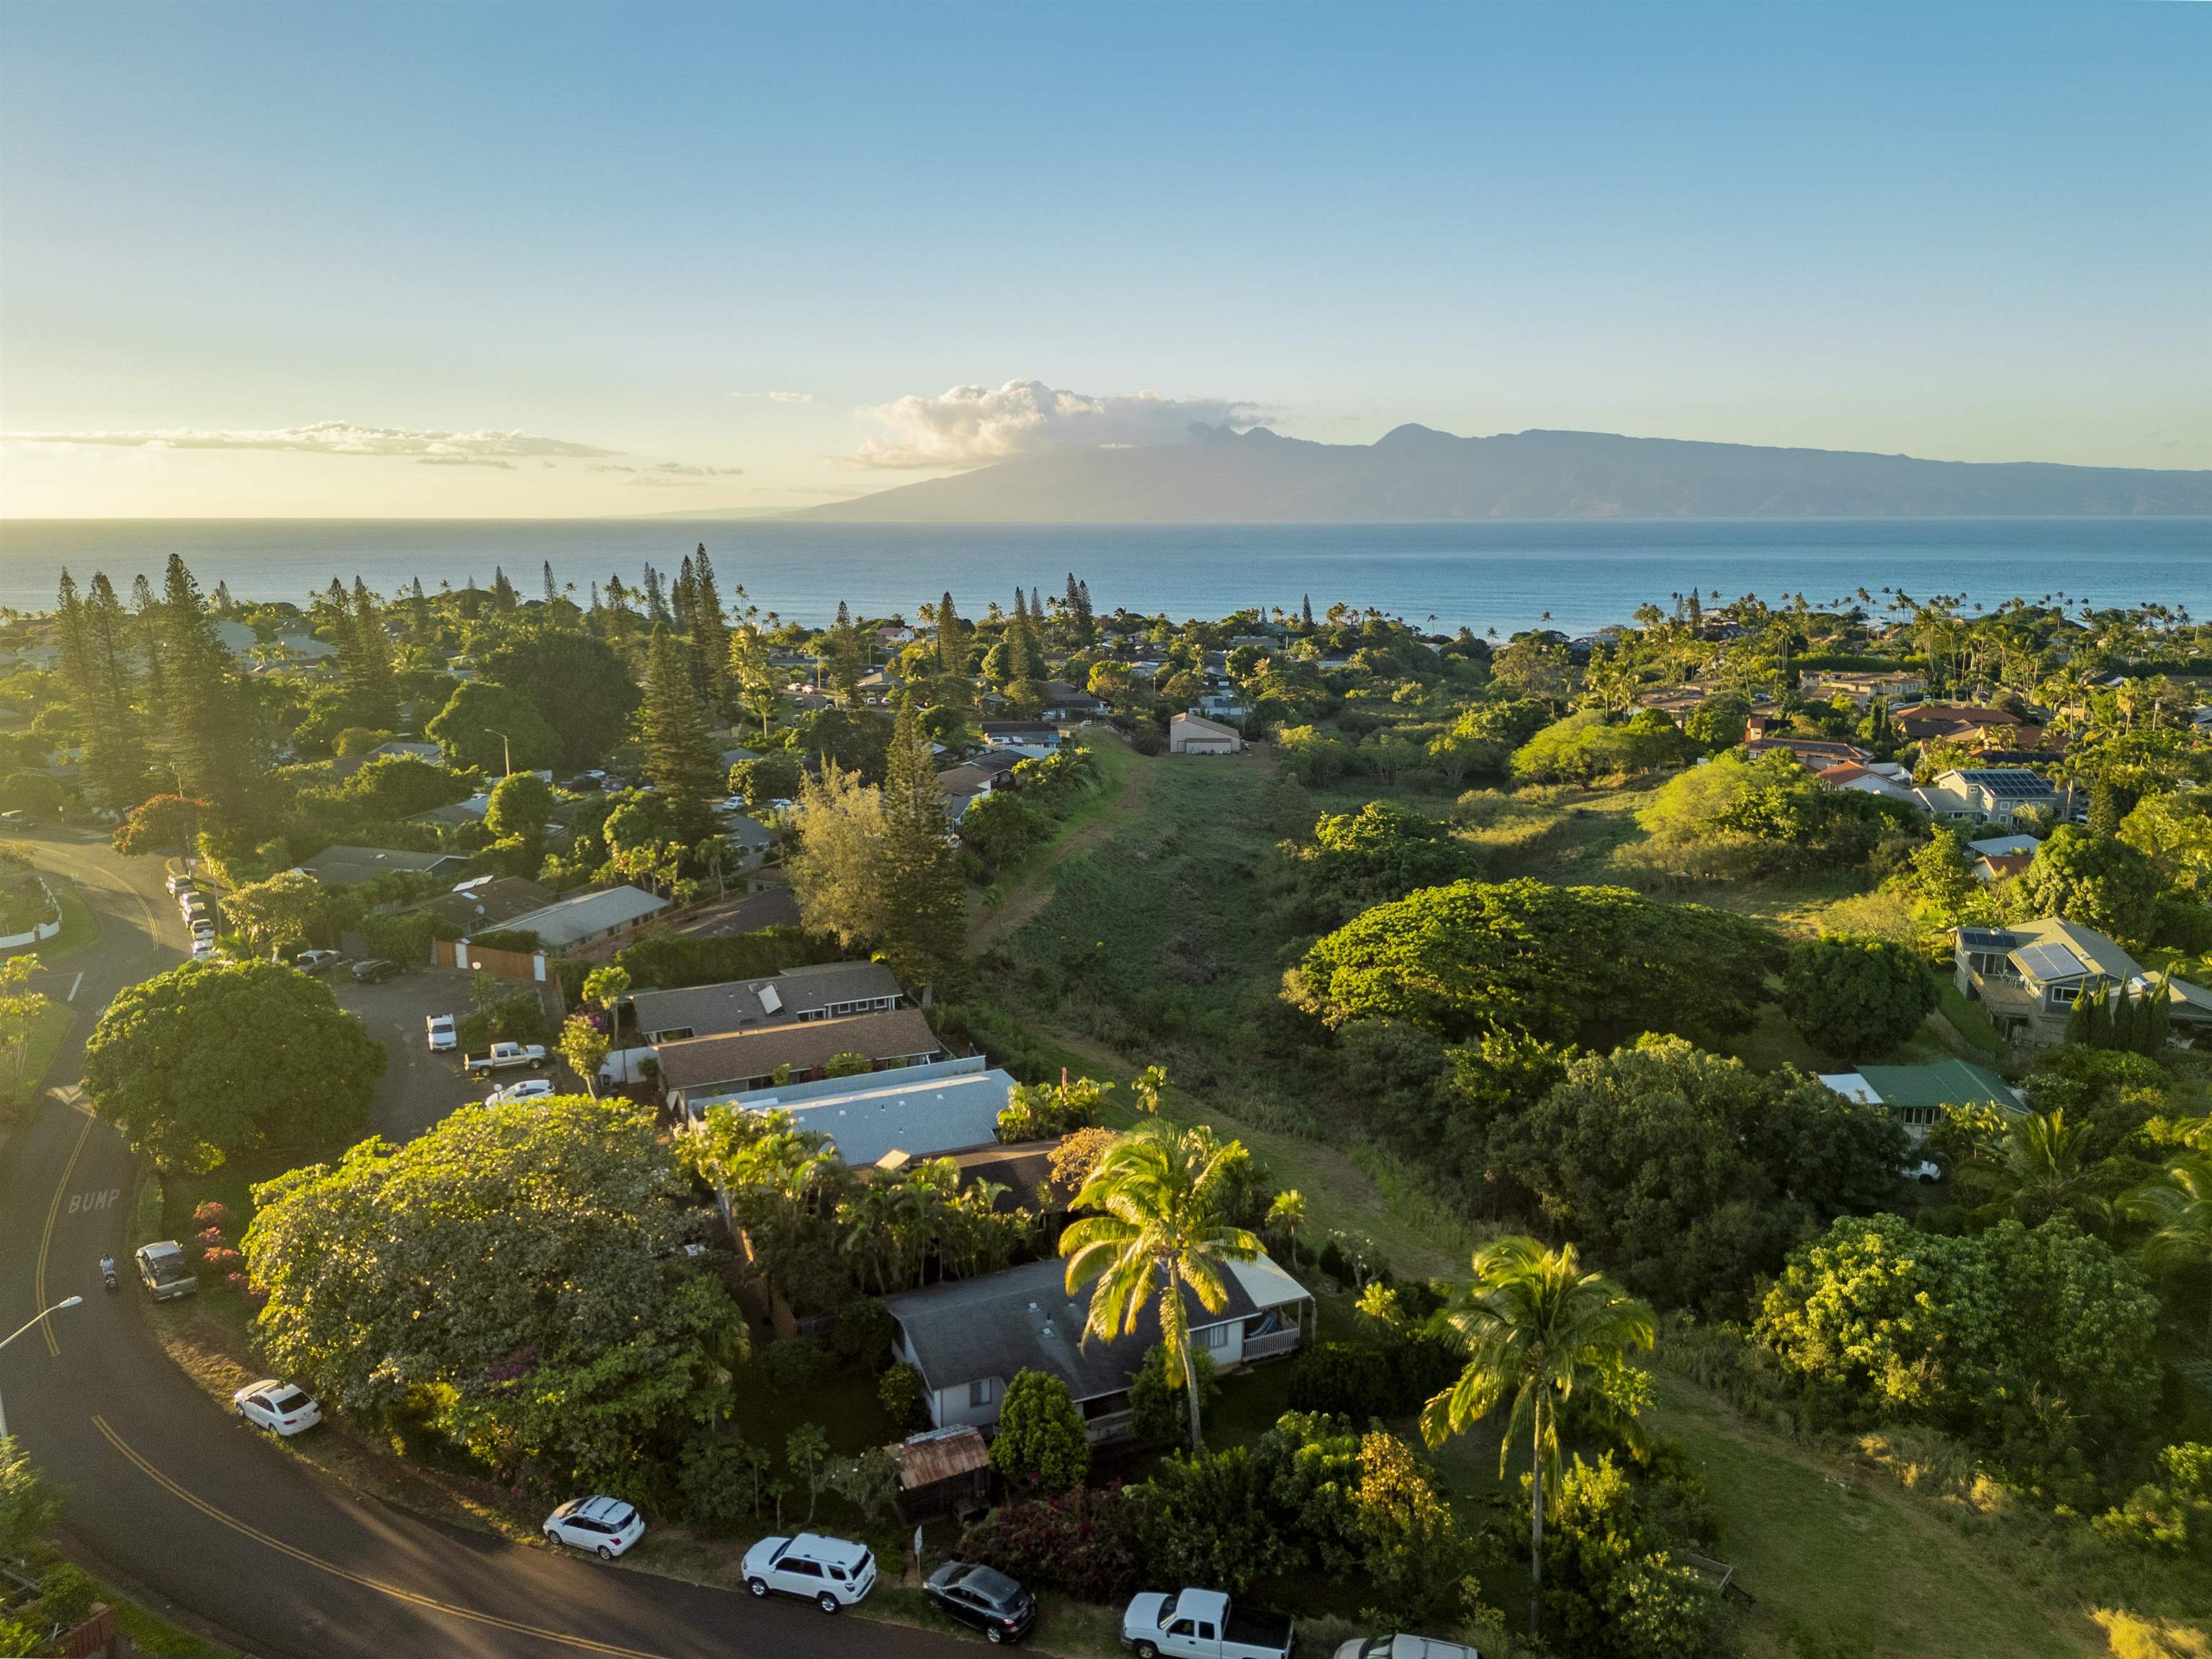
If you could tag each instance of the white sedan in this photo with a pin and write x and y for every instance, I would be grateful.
(278, 1406)
(531, 1088)
(606, 1526)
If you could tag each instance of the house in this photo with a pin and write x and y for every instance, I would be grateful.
(705, 1069)
(1994, 795)
(1895, 686)
(969, 1338)
(1068, 702)
(825, 990)
(963, 786)
(1814, 753)
(1019, 735)
(942, 1472)
(1220, 706)
(1192, 734)
(1917, 1096)
(1864, 779)
(1953, 722)
(1999, 867)
(341, 866)
(484, 903)
(587, 918)
(2029, 976)
(1994, 846)
(749, 837)
(409, 749)
(887, 1118)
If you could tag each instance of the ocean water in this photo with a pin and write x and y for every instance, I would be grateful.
(1502, 575)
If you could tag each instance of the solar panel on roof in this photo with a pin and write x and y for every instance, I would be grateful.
(1987, 938)
(2049, 962)
(2010, 785)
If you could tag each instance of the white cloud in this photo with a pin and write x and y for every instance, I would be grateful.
(778, 397)
(668, 471)
(334, 438)
(975, 426)
(469, 460)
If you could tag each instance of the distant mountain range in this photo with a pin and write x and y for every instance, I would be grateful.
(1418, 474)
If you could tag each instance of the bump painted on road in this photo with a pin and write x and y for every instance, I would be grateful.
(46, 1238)
(428, 1604)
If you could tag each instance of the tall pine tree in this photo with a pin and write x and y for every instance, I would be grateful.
(710, 635)
(923, 913)
(679, 757)
(372, 694)
(96, 667)
(211, 738)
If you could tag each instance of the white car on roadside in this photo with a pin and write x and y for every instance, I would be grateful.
(833, 1573)
(278, 1406)
(531, 1088)
(438, 1030)
(1403, 1647)
(202, 949)
(604, 1525)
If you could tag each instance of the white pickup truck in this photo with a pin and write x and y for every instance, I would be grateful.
(504, 1057)
(1200, 1624)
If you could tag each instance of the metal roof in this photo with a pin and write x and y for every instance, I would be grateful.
(587, 915)
(924, 1111)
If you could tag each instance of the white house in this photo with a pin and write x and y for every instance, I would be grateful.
(1193, 734)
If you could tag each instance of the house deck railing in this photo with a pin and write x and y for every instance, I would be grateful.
(1275, 1342)
(1115, 1425)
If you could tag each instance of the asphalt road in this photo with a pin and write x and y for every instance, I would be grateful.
(183, 1501)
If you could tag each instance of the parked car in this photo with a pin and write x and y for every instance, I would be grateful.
(204, 929)
(438, 1031)
(833, 1573)
(178, 884)
(375, 970)
(606, 1526)
(1403, 1647)
(202, 949)
(15, 818)
(163, 1269)
(984, 1597)
(531, 1088)
(278, 1406)
(314, 962)
(503, 1057)
(1201, 1624)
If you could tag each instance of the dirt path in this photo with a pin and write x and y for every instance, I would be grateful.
(1034, 890)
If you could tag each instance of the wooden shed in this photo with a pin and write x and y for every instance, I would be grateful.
(943, 1472)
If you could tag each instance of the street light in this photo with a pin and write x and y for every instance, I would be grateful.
(506, 749)
(66, 1302)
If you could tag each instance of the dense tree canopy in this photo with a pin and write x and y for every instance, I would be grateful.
(1380, 853)
(515, 1274)
(578, 684)
(1689, 1172)
(2099, 881)
(1983, 1334)
(215, 1058)
(1556, 963)
(1856, 998)
(1598, 744)
(494, 729)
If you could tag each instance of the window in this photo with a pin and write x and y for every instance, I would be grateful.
(802, 1569)
(1204, 1631)
(2064, 995)
(979, 1392)
(1213, 1336)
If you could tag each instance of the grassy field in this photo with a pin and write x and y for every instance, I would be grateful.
(1154, 942)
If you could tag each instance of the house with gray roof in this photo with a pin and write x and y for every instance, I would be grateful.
(908, 1113)
(969, 1338)
(2029, 975)
(341, 866)
(710, 1068)
(825, 990)
(587, 918)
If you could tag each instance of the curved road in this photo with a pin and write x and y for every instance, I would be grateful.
(183, 1500)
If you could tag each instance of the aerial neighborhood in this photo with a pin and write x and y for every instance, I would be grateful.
(1286, 1132)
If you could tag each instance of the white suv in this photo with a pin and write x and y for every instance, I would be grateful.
(831, 1573)
(606, 1526)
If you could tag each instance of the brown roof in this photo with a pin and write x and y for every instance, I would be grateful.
(2006, 864)
(942, 1455)
(1021, 1167)
(702, 1062)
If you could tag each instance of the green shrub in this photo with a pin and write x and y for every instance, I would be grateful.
(1041, 1447)
(864, 1333)
(1343, 1380)
(1158, 1413)
(904, 1396)
(794, 1362)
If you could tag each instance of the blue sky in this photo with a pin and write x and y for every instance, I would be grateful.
(519, 259)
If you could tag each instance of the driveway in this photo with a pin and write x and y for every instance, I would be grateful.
(169, 1495)
(418, 1088)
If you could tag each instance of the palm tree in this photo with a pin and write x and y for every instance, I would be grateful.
(1286, 1218)
(2178, 1205)
(1535, 1325)
(1157, 1231)
(2037, 1170)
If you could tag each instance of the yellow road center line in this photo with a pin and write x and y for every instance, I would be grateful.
(428, 1603)
(46, 1238)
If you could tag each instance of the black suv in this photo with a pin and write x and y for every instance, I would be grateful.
(983, 1598)
(375, 970)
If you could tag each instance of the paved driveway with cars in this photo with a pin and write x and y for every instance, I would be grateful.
(418, 1088)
